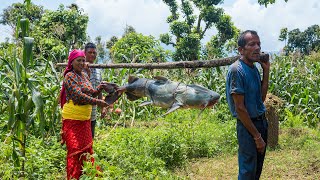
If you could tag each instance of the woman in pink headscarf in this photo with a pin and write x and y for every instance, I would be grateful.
(77, 97)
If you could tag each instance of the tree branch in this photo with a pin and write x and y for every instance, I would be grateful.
(166, 65)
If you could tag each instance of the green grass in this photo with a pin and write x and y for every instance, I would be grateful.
(297, 157)
(179, 146)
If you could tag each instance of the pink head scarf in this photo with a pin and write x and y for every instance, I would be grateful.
(72, 56)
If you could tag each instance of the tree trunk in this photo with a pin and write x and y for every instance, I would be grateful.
(273, 105)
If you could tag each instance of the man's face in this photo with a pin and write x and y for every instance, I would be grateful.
(251, 51)
(91, 55)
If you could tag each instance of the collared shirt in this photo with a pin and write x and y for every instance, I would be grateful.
(95, 79)
(245, 80)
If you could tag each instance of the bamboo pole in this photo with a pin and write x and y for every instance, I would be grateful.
(166, 65)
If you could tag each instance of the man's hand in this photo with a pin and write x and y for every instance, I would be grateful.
(260, 144)
(264, 61)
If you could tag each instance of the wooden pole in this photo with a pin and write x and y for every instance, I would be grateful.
(166, 65)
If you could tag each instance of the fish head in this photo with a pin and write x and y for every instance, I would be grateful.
(201, 97)
(135, 89)
(213, 98)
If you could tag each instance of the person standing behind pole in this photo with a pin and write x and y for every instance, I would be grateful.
(245, 94)
(95, 79)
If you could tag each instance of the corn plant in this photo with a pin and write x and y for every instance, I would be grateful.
(24, 104)
(295, 79)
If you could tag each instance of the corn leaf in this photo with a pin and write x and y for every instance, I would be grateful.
(27, 50)
(24, 24)
(38, 102)
(15, 158)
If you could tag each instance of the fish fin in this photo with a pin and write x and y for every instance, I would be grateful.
(174, 107)
(145, 103)
(132, 79)
(132, 97)
(160, 78)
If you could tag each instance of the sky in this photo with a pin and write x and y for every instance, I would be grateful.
(109, 17)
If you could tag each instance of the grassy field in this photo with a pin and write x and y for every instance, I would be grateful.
(296, 157)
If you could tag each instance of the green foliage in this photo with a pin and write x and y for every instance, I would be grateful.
(188, 48)
(295, 80)
(292, 120)
(100, 48)
(267, 2)
(11, 13)
(64, 29)
(151, 152)
(135, 47)
(304, 42)
(300, 138)
(219, 45)
(188, 32)
(44, 159)
(22, 99)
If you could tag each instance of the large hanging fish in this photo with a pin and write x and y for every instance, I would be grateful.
(167, 94)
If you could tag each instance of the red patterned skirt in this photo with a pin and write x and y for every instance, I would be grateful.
(78, 138)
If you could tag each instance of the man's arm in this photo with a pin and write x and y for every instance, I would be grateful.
(265, 79)
(244, 117)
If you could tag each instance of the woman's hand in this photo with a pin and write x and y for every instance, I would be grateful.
(108, 87)
(102, 103)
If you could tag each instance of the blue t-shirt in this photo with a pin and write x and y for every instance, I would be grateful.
(245, 80)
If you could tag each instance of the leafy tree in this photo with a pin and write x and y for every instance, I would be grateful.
(135, 47)
(219, 45)
(111, 42)
(128, 29)
(63, 29)
(11, 14)
(266, 2)
(304, 42)
(100, 48)
(283, 35)
(186, 26)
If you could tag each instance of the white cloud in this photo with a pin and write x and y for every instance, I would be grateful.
(268, 21)
(109, 17)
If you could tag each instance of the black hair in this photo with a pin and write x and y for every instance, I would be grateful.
(89, 45)
(242, 41)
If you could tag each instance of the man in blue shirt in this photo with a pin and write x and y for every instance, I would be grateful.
(246, 92)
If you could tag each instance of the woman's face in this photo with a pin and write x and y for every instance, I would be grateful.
(78, 64)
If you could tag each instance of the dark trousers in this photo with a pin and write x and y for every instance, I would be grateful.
(249, 159)
(93, 126)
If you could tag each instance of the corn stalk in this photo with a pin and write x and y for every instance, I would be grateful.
(25, 103)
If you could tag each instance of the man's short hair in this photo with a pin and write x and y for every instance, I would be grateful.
(242, 41)
(89, 45)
